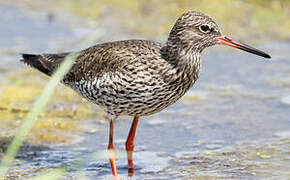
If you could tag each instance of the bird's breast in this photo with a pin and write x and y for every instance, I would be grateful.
(135, 91)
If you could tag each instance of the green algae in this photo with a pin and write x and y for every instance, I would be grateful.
(32, 116)
(59, 124)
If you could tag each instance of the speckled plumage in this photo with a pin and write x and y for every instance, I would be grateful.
(136, 77)
(141, 84)
(140, 77)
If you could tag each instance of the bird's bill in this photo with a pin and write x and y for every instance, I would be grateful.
(232, 43)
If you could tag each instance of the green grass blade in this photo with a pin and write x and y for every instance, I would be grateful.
(32, 116)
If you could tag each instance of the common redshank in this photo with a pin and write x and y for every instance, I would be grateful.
(140, 77)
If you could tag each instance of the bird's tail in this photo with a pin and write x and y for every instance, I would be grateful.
(45, 63)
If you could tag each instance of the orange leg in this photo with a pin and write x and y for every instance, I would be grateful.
(112, 151)
(130, 146)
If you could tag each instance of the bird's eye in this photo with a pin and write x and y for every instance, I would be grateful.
(204, 28)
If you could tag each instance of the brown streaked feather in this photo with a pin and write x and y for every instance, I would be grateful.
(96, 60)
(45, 63)
(111, 57)
(136, 77)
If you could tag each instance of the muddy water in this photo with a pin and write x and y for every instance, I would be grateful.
(233, 124)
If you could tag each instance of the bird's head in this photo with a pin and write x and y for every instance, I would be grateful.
(194, 31)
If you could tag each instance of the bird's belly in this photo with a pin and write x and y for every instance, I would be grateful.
(137, 103)
(127, 98)
(142, 103)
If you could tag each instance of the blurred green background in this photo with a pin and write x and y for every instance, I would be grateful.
(245, 19)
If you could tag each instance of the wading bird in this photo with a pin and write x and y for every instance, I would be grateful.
(140, 77)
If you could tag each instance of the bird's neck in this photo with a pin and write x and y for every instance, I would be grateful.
(185, 59)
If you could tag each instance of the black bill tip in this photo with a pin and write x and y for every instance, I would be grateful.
(232, 43)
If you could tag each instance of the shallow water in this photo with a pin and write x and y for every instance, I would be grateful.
(233, 124)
